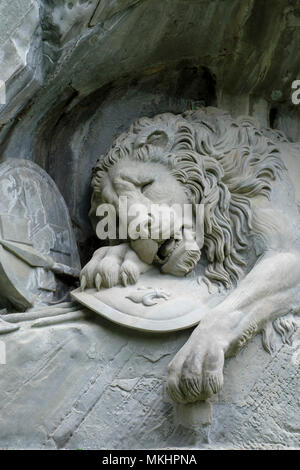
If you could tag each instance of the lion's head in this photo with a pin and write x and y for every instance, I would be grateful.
(199, 157)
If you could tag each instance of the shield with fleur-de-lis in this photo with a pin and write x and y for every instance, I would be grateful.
(157, 303)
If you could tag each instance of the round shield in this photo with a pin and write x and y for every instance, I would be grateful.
(37, 245)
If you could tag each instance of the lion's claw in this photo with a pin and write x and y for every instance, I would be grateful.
(196, 372)
(129, 272)
(83, 283)
(98, 282)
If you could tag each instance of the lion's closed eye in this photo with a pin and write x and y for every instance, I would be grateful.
(146, 185)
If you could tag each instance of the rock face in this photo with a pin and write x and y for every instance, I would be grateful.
(81, 71)
(90, 384)
(77, 73)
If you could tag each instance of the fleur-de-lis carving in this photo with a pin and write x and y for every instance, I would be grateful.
(148, 298)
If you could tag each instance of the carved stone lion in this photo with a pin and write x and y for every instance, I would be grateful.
(250, 229)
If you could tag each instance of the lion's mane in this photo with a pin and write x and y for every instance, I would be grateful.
(221, 162)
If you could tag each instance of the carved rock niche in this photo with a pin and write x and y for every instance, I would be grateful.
(168, 343)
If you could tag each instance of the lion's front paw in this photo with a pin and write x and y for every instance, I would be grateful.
(111, 266)
(196, 372)
(129, 272)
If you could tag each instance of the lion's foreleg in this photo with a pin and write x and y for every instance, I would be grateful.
(270, 290)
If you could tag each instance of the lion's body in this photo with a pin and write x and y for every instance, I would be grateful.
(251, 226)
(224, 164)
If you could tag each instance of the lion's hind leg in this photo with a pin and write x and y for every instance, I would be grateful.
(280, 330)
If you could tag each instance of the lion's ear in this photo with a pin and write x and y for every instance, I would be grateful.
(158, 138)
